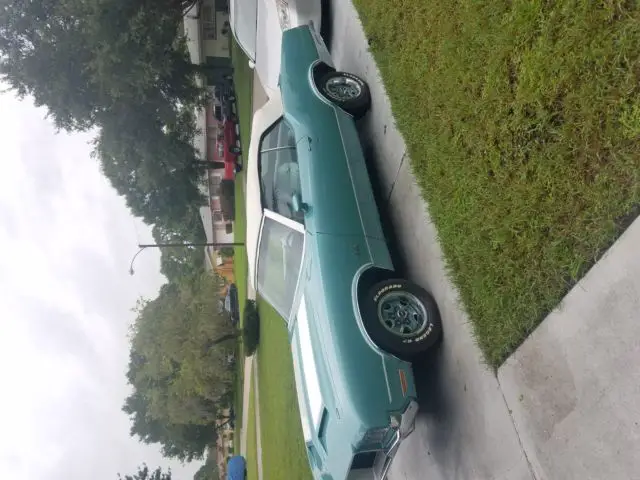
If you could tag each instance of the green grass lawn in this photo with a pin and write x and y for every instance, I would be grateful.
(283, 450)
(252, 453)
(522, 121)
(240, 273)
(243, 81)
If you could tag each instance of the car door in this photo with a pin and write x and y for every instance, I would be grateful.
(282, 237)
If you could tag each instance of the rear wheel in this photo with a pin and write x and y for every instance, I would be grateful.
(401, 318)
(347, 91)
(235, 150)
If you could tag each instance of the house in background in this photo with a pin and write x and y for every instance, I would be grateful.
(206, 27)
(221, 265)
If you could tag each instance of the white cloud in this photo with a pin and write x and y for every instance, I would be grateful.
(66, 297)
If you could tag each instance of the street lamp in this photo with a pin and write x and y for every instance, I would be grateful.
(169, 245)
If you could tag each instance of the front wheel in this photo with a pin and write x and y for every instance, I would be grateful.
(347, 91)
(401, 318)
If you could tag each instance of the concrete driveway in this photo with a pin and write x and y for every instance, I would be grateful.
(465, 430)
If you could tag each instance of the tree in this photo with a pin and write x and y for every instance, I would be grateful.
(208, 471)
(181, 262)
(178, 367)
(121, 66)
(144, 473)
(81, 59)
(151, 163)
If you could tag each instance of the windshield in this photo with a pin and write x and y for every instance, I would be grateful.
(279, 259)
(244, 18)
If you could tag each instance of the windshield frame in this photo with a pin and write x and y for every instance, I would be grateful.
(293, 225)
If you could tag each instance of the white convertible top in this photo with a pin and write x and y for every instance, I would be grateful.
(262, 120)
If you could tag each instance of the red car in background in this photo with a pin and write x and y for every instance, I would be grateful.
(228, 149)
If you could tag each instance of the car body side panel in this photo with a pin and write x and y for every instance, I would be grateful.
(343, 220)
(330, 280)
(360, 384)
(333, 171)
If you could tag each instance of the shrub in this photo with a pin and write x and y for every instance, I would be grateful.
(226, 252)
(227, 199)
(251, 331)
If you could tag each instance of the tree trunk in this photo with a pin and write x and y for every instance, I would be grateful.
(212, 343)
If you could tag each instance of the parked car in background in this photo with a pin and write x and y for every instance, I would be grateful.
(230, 304)
(236, 468)
(317, 253)
(226, 96)
(228, 149)
(230, 135)
(257, 26)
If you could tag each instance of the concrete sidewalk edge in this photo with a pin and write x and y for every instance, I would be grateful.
(573, 387)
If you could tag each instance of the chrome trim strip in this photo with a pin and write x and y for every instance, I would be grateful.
(384, 459)
(292, 224)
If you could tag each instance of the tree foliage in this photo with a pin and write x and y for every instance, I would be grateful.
(151, 163)
(208, 471)
(178, 367)
(251, 332)
(82, 59)
(120, 67)
(144, 473)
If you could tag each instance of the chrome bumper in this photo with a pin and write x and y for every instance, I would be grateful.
(405, 425)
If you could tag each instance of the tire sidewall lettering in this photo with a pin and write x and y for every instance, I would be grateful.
(397, 286)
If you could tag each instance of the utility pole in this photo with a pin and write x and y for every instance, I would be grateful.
(144, 246)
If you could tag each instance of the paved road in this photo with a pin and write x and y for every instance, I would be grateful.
(465, 430)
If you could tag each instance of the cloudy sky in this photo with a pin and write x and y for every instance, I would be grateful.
(66, 240)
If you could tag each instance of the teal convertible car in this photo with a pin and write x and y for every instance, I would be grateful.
(318, 255)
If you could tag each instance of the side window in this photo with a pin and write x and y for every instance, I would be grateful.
(279, 174)
(279, 264)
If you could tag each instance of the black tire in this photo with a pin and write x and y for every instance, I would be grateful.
(409, 345)
(358, 105)
(235, 150)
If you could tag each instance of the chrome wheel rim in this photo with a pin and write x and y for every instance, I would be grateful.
(402, 314)
(343, 89)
